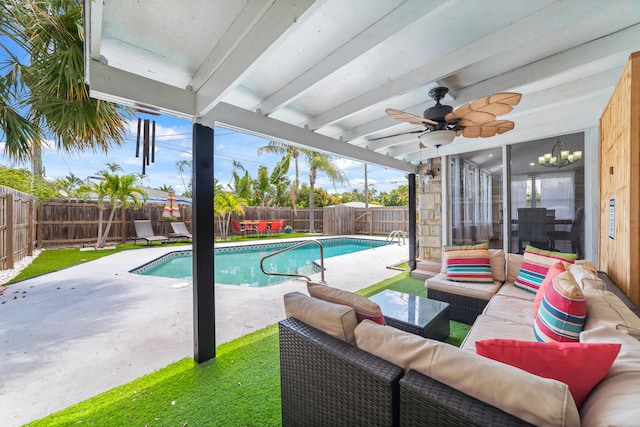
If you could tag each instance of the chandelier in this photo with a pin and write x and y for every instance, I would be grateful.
(559, 157)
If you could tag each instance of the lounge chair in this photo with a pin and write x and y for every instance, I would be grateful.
(180, 231)
(144, 231)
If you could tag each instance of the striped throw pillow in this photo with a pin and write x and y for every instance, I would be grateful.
(562, 311)
(536, 263)
(468, 263)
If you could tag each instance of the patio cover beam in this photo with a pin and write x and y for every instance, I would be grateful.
(230, 116)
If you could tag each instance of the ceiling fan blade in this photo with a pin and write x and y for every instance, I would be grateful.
(403, 116)
(485, 109)
(487, 130)
(397, 134)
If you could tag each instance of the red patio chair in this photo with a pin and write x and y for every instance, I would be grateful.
(277, 226)
(262, 227)
(240, 229)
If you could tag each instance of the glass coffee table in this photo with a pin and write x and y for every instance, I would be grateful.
(421, 316)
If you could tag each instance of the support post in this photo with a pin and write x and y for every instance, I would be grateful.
(204, 330)
(412, 221)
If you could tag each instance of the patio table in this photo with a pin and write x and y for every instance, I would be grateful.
(421, 316)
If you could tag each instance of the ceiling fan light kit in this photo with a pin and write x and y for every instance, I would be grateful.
(559, 157)
(476, 119)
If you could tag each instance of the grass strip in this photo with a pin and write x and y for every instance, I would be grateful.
(240, 387)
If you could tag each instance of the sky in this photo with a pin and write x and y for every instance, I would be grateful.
(173, 144)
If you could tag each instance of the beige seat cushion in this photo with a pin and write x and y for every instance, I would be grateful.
(614, 401)
(509, 308)
(488, 327)
(475, 290)
(494, 383)
(509, 290)
(334, 319)
(604, 308)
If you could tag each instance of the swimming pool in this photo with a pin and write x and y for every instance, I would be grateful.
(240, 265)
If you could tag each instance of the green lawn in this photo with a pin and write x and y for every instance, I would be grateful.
(240, 387)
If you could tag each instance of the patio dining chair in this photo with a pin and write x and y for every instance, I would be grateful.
(532, 228)
(180, 231)
(144, 231)
(261, 229)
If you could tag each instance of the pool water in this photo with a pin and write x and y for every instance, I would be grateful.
(241, 265)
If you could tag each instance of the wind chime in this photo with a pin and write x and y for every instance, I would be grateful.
(148, 140)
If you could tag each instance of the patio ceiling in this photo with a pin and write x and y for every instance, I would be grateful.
(321, 73)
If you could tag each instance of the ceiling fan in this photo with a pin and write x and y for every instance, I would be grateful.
(472, 120)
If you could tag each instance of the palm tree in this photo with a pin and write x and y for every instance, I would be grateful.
(224, 204)
(275, 147)
(118, 191)
(318, 162)
(182, 165)
(48, 96)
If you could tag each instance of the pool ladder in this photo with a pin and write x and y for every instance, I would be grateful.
(399, 234)
(296, 274)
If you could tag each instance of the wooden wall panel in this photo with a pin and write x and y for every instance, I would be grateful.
(620, 181)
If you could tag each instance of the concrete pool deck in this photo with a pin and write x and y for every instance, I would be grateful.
(69, 335)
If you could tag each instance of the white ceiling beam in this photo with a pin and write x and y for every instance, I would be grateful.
(395, 21)
(115, 85)
(508, 38)
(273, 23)
(617, 44)
(251, 13)
(247, 121)
(621, 43)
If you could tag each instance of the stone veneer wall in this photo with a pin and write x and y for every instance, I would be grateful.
(430, 216)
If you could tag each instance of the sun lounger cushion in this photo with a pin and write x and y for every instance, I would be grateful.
(363, 306)
(536, 263)
(579, 365)
(477, 376)
(468, 263)
(333, 319)
(562, 312)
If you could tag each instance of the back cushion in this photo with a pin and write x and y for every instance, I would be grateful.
(585, 277)
(477, 376)
(364, 307)
(535, 264)
(562, 312)
(497, 259)
(336, 320)
(468, 263)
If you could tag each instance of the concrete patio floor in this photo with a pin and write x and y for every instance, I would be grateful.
(70, 335)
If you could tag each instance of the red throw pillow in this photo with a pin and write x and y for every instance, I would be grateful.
(579, 365)
(554, 270)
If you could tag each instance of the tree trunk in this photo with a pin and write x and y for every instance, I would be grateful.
(103, 238)
(312, 184)
(100, 214)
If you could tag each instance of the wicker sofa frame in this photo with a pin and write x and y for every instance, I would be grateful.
(325, 381)
(462, 308)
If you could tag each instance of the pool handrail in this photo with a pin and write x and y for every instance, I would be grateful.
(297, 245)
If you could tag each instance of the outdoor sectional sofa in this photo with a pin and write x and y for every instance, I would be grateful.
(336, 371)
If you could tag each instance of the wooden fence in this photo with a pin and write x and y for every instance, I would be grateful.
(17, 231)
(75, 222)
(380, 220)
